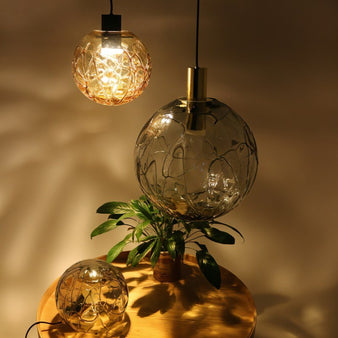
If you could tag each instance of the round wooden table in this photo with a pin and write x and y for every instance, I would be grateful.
(190, 307)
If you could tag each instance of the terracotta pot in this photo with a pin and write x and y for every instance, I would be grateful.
(167, 269)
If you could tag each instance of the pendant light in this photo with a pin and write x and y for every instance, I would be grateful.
(196, 159)
(111, 66)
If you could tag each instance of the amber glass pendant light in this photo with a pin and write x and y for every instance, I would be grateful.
(111, 66)
(196, 159)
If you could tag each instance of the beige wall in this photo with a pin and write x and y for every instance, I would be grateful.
(274, 62)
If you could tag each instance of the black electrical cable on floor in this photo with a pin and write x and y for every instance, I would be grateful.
(197, 31)
(40, 322)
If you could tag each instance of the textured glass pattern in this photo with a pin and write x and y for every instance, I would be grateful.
(196, 174)
(111, 68)
(91, 296)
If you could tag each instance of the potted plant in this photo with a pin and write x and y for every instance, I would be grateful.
(161, 236)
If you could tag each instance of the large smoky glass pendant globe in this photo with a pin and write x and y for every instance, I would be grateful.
(196, 167)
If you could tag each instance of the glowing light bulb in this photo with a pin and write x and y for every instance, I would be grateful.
(111, 52)
(111, 67)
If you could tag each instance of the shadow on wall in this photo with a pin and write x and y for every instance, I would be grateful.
(312, 315)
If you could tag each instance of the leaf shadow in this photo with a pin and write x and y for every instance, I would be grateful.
(159, 298)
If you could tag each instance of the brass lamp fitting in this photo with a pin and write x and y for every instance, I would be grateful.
(196, 99)
(197, 84)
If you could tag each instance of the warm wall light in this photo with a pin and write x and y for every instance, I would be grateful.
(110, 66)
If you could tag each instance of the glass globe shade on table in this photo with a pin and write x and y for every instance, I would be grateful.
(196, 158)
(91, 296)
(111, 66)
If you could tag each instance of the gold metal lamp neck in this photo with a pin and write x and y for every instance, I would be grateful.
(196, 100)
(197, 84)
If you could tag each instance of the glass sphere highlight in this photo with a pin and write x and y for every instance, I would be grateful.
(91, 296)
(111, 68)
(196, 174)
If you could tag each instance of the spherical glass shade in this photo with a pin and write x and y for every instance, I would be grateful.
(196, 174)
(91, 296)
(111, 68)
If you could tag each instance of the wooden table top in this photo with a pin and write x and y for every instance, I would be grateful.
(190, 307)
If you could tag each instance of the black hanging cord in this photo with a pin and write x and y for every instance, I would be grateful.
(111, 22)
(197, 32)
(40, 322)
(111, 7)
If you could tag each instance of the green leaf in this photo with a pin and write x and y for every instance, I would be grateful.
(109, 225)
(178, 236)
(149, 204)
(116, 216)
(132, 254)
(104, 227)
(147, 238)
(117, 249)
(229, 226)
(141, 209)
(143, 198)
(209, 268)
(137, 250)
(218, 236)
(156, 252)
(140, 227)
(171, 246)
(113, 208)
(142, 251)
